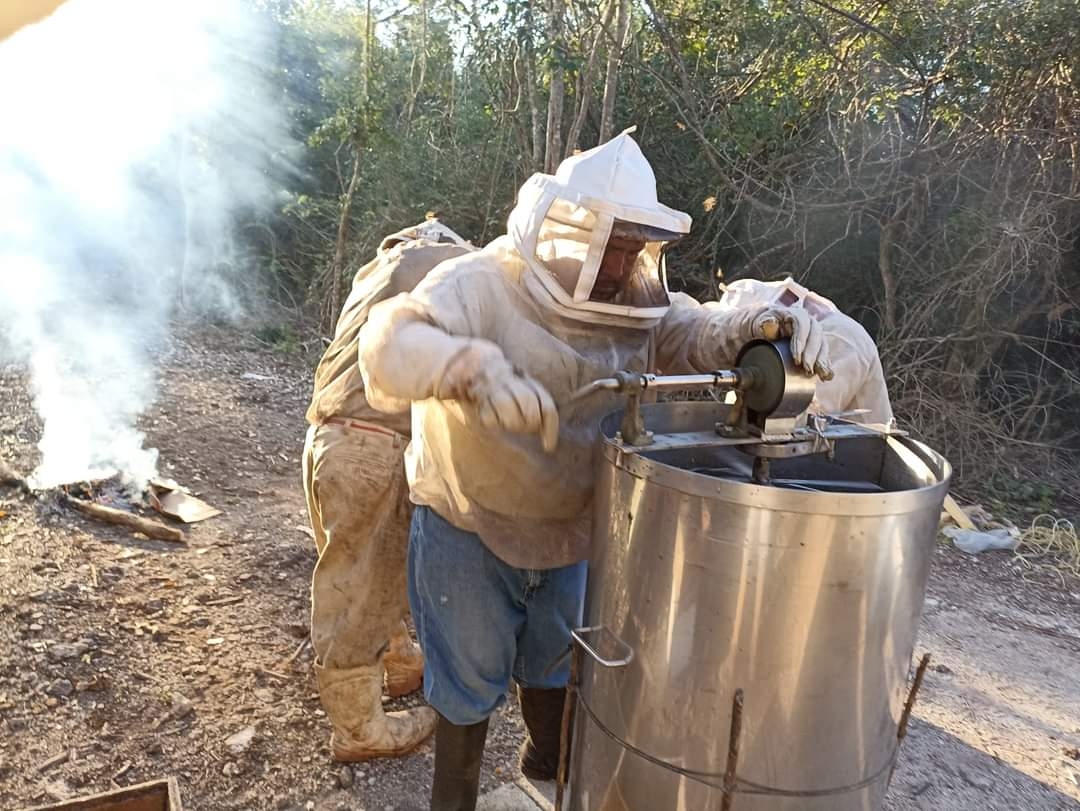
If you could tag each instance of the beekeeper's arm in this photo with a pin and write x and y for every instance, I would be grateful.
(859, 382)
(425, 344)
(693, 338)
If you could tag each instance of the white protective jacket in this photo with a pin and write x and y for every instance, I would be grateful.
(401, 261)
(859, 381)
(525, 298)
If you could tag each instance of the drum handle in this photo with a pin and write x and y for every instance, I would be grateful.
(579, 636)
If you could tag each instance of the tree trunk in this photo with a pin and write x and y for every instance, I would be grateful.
(558, 86)
(337, 269)
(888, 279)
(416, 85)
(585, 93)
(369, 44)
(533, 95)
(338, 265)
(611, 81)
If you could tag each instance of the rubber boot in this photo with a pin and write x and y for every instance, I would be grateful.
(352, 699)
(543, 712)
(404, 664)
(458, 752)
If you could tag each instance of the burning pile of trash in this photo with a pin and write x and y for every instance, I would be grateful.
(113, 501)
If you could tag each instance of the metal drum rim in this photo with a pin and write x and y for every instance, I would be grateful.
(700, 485)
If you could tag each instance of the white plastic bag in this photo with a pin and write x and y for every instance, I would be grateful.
(974, 541)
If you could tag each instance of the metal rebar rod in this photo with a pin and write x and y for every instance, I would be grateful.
(905, 716)
(733, 751)
(901, 730)
(567, 726)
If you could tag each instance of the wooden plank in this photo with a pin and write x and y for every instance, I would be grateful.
(158, 795)
(957, 514)
(148, 527)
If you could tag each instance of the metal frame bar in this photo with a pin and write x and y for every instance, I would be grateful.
(734, 739)
(566, 731)
(905, 716)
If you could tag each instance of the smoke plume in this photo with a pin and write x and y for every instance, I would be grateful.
(135, 136)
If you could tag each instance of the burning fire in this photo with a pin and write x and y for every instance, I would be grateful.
(89, 418)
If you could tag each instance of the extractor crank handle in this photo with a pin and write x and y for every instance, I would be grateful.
(629, 382)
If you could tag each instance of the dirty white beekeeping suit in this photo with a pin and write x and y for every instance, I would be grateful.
(490, 343)
(488, 350)
(357, 495)
(858, 382)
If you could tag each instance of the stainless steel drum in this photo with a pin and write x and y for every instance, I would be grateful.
(804, 594)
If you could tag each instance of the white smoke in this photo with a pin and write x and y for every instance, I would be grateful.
(134, 133)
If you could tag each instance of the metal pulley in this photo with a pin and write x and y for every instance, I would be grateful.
(777, 393)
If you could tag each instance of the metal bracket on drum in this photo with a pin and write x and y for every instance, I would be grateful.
(579, 644)
(578, 635)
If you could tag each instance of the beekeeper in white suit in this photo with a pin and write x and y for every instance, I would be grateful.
(858, 384)
(484, 349)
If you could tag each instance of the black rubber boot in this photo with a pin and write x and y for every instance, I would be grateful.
(543, 712)
(458, 752)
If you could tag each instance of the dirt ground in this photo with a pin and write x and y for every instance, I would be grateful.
(125, 660)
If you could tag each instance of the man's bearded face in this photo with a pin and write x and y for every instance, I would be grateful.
(618, 262)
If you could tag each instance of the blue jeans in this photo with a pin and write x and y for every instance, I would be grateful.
(482, 622)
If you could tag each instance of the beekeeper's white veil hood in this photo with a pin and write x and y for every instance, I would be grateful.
(562, 222)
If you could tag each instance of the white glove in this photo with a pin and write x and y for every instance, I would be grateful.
(520, 405)
(808, 346)
(481, 375)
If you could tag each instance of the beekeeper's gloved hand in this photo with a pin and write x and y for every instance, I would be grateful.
(404, 359)
(808, 346)
(480, 374)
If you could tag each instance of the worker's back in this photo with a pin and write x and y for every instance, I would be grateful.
(403, 260)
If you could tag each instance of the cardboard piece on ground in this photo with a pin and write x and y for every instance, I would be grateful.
(169, 498)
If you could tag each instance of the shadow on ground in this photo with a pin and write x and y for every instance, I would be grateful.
(939, 771)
